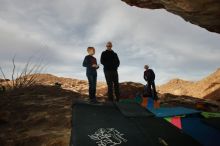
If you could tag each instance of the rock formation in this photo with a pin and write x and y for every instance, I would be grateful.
(208, 87)
(81, 86)
(205, 13)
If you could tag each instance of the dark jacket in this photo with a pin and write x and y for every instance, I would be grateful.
(110, 60)
(88, 62)
(149, 75)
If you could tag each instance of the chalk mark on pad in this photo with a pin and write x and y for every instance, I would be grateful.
(108, 137)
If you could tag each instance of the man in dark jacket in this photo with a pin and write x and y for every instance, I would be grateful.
(110, 61)
(149, 77)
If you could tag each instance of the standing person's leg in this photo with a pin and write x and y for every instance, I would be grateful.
(90, 86)
(94, 80)
(95, 84)
(116, 85)
(149, 90)
(109, 82)
(154, 90)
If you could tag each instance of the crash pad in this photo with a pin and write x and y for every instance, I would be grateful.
(129, 100)
(200, 131)
(210, 114)
(162, 133)
(105, 125)
(176, 121)
(213, 122)
(136, 99)
(172, 111)
(144, 102)
(150, 103)
(133, 110)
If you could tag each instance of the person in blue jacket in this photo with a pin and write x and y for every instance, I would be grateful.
(91, 66)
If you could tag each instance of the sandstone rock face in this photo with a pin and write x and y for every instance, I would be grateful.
(169, 100)
(75, 85)
(208, 88)
(81, 86)
(205, 13)
(130, 89)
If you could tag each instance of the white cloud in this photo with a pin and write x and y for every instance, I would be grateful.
(60, 31)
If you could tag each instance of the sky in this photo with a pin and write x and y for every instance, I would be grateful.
(58, 32)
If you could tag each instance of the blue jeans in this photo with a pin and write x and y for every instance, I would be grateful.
(92, 78)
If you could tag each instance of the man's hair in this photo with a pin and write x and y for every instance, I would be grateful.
(110, 43)
(146, 66)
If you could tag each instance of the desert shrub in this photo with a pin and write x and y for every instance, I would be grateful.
(25, 78)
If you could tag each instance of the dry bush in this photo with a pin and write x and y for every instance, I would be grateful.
(25, 78)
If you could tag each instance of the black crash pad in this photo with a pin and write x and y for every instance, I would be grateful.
(133, 110)
(162, 132)
(214, 122)
(105, 125)
(99, 125)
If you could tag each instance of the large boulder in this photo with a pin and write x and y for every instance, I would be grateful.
(205, 13)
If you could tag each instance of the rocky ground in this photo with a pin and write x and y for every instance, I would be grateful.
(41, 115)
(36, 116)
(169, 100)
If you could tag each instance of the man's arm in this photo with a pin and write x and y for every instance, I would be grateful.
(117, 60)
(145, 76)
(102, 60)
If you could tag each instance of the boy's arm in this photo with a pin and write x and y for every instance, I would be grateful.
(97, 66)
(85, 62)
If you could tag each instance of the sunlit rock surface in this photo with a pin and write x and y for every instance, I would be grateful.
(205, 13)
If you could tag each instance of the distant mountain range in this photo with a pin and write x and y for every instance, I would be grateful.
(207, 88)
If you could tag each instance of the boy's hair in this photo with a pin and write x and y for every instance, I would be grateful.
(90, 48)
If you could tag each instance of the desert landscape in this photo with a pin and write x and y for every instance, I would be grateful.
(41, 114)
(207, 88)
(173, 36)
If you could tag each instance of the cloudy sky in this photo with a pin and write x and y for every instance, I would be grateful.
(59, 31)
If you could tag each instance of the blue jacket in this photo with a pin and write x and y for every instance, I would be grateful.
(88, 62)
